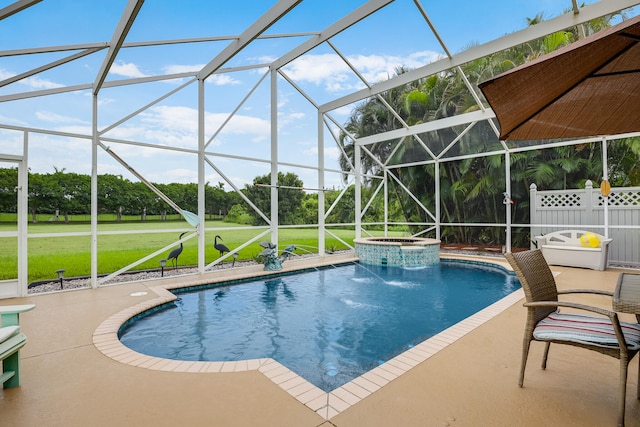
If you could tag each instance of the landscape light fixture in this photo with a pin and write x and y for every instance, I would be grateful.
(60, 276)
(163, 263)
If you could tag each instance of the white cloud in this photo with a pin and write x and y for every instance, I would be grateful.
(178, 126)
(4, 74)
(175, 126)
(216, 79)
(343, 111)
(49, 116)
(180, 175)
(126, 132)
(12, 121)
(265, 59)
(213, 179)
(222, 80)
(76, 129)
(31, 82)
(182, 68)
(241, 181)
(285, 119)
(12, 141)
(175, 118)
(335, 75)
(49, 151)
(326, 69)
(126, 69)
(38, 83)
(330, 152)
(240, 125)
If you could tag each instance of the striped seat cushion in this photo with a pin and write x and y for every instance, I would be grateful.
(583, 329)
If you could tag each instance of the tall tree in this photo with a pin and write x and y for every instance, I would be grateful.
(289, 199)
(8, 194)
(73, 192)
(112, 194)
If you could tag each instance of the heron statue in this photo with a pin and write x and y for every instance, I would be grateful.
(219, 246)
(174, 254)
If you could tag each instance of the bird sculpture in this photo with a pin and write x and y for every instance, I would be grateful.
(219, 246)
(174, 254)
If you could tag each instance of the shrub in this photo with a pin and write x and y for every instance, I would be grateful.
(239, 215)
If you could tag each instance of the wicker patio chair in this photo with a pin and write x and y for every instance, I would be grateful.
(604, 334)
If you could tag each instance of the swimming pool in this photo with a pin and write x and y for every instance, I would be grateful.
(328, 325)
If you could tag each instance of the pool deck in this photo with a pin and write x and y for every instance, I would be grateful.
(74, 374)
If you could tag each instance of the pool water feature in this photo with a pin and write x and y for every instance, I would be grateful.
(398, 251)
(328, 326)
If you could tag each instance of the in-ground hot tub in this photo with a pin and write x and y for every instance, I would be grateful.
(398, 251)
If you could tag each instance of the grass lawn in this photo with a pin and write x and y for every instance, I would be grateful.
(73, 253)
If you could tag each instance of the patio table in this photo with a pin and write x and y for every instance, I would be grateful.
(626, 297)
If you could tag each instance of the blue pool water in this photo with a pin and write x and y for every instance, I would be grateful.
(329, 326)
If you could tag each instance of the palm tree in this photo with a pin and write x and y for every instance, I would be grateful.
(471, 190)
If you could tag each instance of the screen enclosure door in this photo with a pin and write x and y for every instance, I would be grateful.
(13, 227)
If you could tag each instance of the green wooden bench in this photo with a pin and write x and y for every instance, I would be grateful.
(11, 341)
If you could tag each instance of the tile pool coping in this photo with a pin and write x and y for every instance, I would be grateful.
(325, 404)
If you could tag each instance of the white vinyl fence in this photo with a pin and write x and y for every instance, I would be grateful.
(585, 210)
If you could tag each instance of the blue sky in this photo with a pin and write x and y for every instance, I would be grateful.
(395, 36)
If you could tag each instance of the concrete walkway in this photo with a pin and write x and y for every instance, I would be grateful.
(67, 381)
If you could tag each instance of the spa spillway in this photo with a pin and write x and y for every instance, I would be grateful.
(398, 251)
